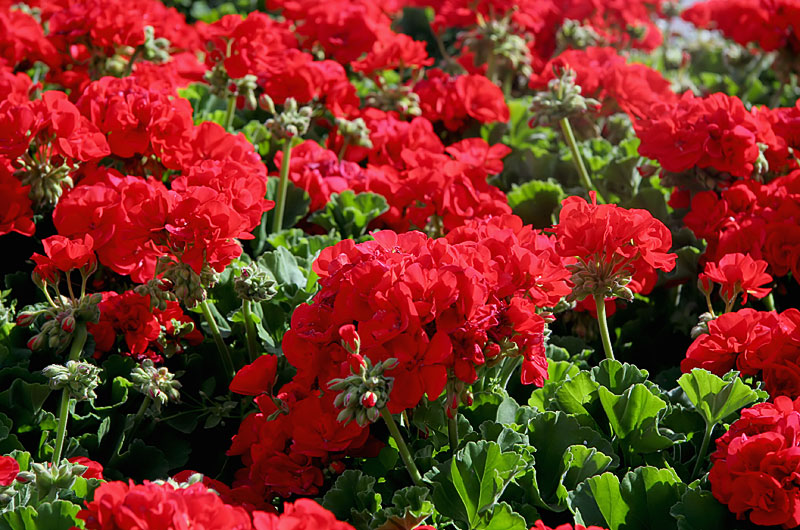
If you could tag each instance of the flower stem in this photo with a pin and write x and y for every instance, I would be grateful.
(283, 185)
(577, 159)
(78, 342)
(230, 112)
(452, 431)
(507, 370)
(600, 303)
(769, 301)
(405, 454)
(205, 305)
(703, 448)
(132, 429)
(250, 330)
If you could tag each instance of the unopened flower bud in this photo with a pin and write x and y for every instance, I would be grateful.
(368, 399)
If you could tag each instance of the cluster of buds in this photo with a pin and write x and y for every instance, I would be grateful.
(575, 36)
(60, 321)
(761, 165)
(255, 284)
(394, 98)
(169, 343)
(78, 377)
(218, 81)
(494, 41)
(186, 286)
(154, 50)
(159, 292)
(593, 278)
(354, 132)
(156, 383)
(562, 99)
(49, 477)
(47, 181)
(291, 122)
(366, 390)
(192, 479)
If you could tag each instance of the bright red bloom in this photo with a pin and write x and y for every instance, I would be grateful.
(395, 51)
(756, 464)
(303, 514)
(16, 212)
(64, 254)
(454, 100)
(618, 242)
(539, 525)
(256, 377)
(713, 132)
(95, 468)
(9, 468)
(120, 506)
(739, 273)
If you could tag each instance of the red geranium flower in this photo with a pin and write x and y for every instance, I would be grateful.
(739, 274)
(9, 468)
(64, 254)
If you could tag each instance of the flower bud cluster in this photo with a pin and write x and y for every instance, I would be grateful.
(400, 99)
(562, 99)
(355, 132)
(59, 323)
(159, 291)
(157, 383)
(47, 181)
(155, 50)
(49, 477)
(255, 284)
(364, 393)
(186, 285)
(78, 377)
(497, 41)
(592, 278)
(575, 36)
(701, 328)
(291, 122)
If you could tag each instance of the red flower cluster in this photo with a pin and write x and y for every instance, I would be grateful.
(753, 342)
(149, 333)
(539, 525)
(605, 75)
(761, 220)
(609, 241)
(454, 100)
(120, 506)
(303, 514)
(63, 254)
(755, 465)
(737, 274)
(769, 23)
(713, 132)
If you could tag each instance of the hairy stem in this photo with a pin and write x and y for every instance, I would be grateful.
(205, 305)
(250, 330)
(577, 159)
(603, 323)
(405, 454)
(78, 342)
(283, 185)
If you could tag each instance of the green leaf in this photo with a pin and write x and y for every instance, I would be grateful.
(349, 213)
(552, 434)
(629, 412)
(353, 497)
(411, 506)
(576, 396)
(258, 135)
(699, 510)
(502, 517)
(616, 376)
(639, 502)
(282, 265)
(579, 463)
(714, 398)
(536, 202)
(471, 482)
(56, 515)
(558, 372)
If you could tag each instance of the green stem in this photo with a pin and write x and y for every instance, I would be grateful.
(507, 370)
(405, 454)
(452, 431)
(577, 159)
(703, 448)
(250, 330)
(129, 66)
(283, 185)
(132, 429)
(230, 112)
(78, 342)
(600, 303)
(205, 305)
(769, 301)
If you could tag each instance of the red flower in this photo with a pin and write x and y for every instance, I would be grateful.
(739, 273)
(9, 468)
(16, 213)
(393, 52)
(539, 525)
(757, 462)
(303, 514)
(64, 254)
(95, 468)
(257, 377)
(120, 506)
